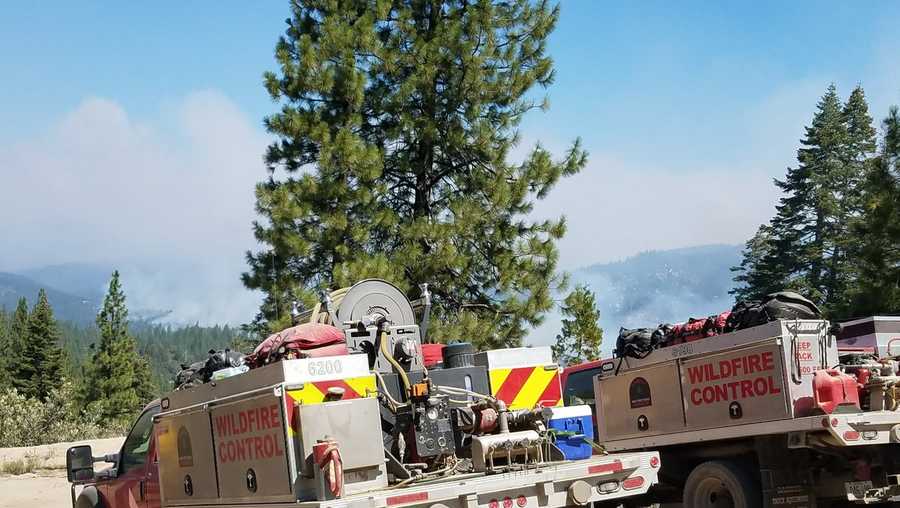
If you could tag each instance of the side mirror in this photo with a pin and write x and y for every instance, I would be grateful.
(80, 464)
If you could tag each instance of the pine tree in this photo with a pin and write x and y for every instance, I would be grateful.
(43, 358)
(801, 223)
(118, 380)
(20, 369)
(581, 335)
(847, 188)
(805, 246)
(754, 278)
(394, 133)
(6, 347)
(876, 250)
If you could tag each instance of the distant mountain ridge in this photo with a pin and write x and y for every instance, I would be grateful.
(663, 286)
(642, 290)
(651, 288)
(66, 306)
(75, 291)
(86, 279)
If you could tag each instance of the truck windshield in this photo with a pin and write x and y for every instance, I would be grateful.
(134, 451)
(579, 388)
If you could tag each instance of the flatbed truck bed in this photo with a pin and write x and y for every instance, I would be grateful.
(850, 429)
(607, 478)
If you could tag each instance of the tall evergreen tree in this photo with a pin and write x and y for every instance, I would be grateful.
(800, 225)
(877, 232)
(805, 245)
(394, 134)
(19, 369)
(118, 380)
(847, 186)
(6, 347)
(754, 277)
(43, 359)
(581, 335)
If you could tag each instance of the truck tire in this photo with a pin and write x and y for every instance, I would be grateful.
(721, 484)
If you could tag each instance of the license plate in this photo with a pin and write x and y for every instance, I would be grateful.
(857, 490)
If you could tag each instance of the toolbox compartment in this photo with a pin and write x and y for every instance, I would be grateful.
(758, 374)
(248, 439)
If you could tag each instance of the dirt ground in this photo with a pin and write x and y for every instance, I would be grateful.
(46, 487)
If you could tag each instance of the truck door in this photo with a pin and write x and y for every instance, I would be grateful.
(137, 481)
(151, 483)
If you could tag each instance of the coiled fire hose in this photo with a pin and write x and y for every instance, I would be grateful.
(327, 456)
(317, 316)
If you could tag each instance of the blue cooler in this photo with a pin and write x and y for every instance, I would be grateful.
(577, 419)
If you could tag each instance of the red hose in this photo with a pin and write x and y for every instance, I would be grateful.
(327, 456)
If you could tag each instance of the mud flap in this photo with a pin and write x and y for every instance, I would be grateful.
(784, 474)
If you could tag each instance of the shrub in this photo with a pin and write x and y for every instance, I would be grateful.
(29, 422)
(20, 466)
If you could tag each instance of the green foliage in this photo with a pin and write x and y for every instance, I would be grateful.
(118, 380)
(6, 346)
(165, 347)
(836, 233)
(42, 359)
(394, 133)
(28, 421)
(58, 414)
(20, 466)
(877, 231)
(18, 338)
(581, 335)
(755, 277)
(805, 246)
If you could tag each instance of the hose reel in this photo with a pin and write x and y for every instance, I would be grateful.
(374, 295)
(354, 309)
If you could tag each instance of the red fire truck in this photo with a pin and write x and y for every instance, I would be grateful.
(243, 447)
(377, 428)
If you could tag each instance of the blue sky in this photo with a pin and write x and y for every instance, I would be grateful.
(139, 54)
(688, 109)
(683, 74)
(675, 71)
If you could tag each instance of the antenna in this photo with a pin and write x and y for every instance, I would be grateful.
(275, 285)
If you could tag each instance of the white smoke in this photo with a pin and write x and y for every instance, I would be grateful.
(168, 202)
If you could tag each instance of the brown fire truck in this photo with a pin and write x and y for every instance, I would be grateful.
(765, 416)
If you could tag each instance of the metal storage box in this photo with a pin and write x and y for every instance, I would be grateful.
(642, 401)
(879, 335)
(742, 385)
(758, 374)
(247, 439)
(523, 377)
(293, 373)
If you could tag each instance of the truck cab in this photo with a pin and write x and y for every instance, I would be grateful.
(578, 385)
(133, 479)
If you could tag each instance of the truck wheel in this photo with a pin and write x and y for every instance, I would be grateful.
(721, 484)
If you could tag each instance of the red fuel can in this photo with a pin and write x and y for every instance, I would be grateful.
(833, 388)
